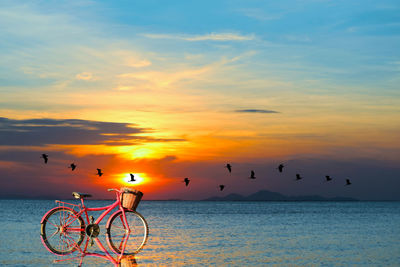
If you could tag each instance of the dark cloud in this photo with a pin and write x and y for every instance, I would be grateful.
(256, 111)
(39, 132)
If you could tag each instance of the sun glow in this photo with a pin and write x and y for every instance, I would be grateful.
(142, 153)
(139, 178)
(130, 152)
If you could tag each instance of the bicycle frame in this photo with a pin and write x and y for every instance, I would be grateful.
(83, 209)
(107, 210)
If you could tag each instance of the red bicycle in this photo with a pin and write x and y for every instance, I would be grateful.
(63, 229)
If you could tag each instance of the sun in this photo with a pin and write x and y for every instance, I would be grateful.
(138, 178)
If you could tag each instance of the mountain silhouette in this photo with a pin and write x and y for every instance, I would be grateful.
(265, 195)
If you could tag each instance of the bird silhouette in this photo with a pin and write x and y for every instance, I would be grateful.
(229, 167)
(186, 181)
(221, 187)
(328, 178)
(72, 166)
(252, 175)
(99, 173)
(45, 157)
(280, 167)
(298, 177)
(348, 182)
(132, 178)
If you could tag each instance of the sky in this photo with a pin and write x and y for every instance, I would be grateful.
(168, 90)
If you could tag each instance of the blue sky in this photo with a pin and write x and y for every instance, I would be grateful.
(346, 43)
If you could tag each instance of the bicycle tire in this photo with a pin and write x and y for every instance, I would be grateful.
(62, 231)
(116, 232)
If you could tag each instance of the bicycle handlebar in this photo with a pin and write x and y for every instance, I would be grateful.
(112, 189)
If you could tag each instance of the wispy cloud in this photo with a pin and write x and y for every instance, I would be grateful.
(139, 64)
(294, 136)
(256, 111)
(205, 37)
(86, 76)
(163, 79)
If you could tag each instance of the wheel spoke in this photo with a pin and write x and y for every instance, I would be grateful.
(53, 234)
(74, 218)
(52, 224)
(67, 236)
(120, 239)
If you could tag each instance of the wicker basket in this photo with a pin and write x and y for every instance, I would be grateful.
(130, 198)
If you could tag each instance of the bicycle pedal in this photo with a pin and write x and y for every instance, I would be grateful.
(91, 242)
(91, 219)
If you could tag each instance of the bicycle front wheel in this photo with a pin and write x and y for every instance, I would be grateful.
(62, 231)
(120, 239)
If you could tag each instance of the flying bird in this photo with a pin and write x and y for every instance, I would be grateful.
(252, 175)
(348, 182)
(72, 166)
(298, 177)
(328, 178)
(132, 178)
(99, 173)
(186, 181)
(221, 187)
(229, 167)
(280, 167)
(45, 157)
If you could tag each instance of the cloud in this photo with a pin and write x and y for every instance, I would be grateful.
(205, 37)
(124, 88)
(86, 76)
(256, 111)
(139, 63)
(163, 79)
(290, 136)
(39, 132)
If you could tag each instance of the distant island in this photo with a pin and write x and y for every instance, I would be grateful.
(265, 195)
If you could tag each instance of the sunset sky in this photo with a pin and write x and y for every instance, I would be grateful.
(175, 89)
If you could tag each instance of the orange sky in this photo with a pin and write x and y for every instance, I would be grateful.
(186, 99)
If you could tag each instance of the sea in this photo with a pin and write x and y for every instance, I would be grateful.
(207, 233)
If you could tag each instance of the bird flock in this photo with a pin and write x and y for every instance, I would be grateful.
(73, 166)
(186, 180)
(253, 176)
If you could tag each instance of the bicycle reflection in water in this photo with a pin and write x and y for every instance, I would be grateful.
(120, 259)
(63, 228)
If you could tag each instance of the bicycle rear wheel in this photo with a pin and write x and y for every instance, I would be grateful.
(62, 231)
(120, 239)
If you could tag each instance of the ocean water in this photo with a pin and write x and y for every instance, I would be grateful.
(197, 233)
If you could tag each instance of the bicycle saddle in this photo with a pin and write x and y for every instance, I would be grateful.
(80, 195)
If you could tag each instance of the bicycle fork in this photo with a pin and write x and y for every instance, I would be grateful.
(125, 222)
